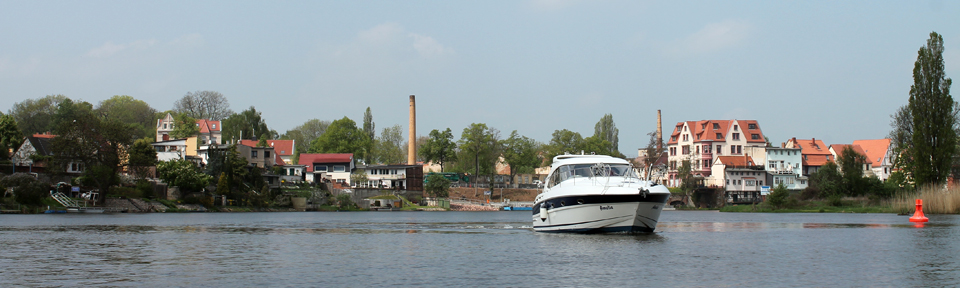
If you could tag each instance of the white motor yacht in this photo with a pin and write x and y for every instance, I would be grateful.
(596, 194)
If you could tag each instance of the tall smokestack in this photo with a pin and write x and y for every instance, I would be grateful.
(412, 151)
(659, 132)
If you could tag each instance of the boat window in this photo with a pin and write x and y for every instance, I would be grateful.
(591, 170)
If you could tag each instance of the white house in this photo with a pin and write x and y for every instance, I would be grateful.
(700, 142)
(785, 166)
(880, 153)
(171, 149)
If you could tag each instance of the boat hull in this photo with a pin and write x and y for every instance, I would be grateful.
(599, 213)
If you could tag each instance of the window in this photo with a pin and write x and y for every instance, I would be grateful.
(719, 150)
(716, 125)
(686, 137)
(752, 126)
(393, 172)
(719, 136)
(736, 136)
(698, 149)
(373, 171)
(733, 149)
(773, 165)
(164, 125)
(706, 163)
(253, 154)
(673, 165)
(728, 181)
(735, 127)
(266, 154)
(214, 126)
(213, 140)
(673, 138)
(751, 183)
(706, 148)
(673, 151)
(339, 168)
(320, 168)
(739, 149)
(686, 149)
(755, 136)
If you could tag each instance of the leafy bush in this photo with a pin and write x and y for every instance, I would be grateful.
(778, 198)
(145, 188)
(126, 192)
(27, 189)
(345, 202)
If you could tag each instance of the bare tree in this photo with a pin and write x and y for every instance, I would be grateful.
(204, 105)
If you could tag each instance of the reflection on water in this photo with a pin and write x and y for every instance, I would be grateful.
(690, 248)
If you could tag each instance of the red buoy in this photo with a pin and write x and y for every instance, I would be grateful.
(918, 215)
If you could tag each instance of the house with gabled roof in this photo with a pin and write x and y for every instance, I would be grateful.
(814, 153)
(34, 154)
(283, 148)
(700, 142)
(880, 153)
(333, 167)
(837, 151)
(740, 177)
(210, 131)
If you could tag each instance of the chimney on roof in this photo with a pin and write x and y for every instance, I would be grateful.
(659, 132)
(412, 151)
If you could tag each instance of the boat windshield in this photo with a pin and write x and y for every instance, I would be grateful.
(592, 170)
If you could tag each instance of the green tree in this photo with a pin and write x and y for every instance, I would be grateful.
(437, 186)
(209, 105)
(521, 153)
(223, 185)
(564, 141)
(304, 134)
(370, 129)
(36, 115)
(653, 151)
(479, 149)
(130, 111)
(934, 139)
(685, 173)
(27, 190)
(778, 197)
(183, 174)
(96, 142)
(826, 182)
(851, 167)
(10, 136)
(606, 129)
(246, 125)
(389, 146)
(142, 156)
(184, 126)
(227, 161)
(342, 136)
(440, 148)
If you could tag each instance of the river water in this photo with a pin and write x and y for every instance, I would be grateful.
(359, 249)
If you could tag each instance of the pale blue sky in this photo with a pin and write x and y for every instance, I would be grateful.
(832, 70)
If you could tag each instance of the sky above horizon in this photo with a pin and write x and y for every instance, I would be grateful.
(831, 70)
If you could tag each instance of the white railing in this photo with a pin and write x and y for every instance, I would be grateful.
(63, 199)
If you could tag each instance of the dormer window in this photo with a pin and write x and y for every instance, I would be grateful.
(752, 126)
(716, 125)
(214, 126)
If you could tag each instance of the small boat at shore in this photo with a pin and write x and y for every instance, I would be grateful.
(597, 193)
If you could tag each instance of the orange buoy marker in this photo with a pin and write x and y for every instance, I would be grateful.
(918, 215)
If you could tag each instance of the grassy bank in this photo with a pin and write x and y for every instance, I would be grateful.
(818, 206)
